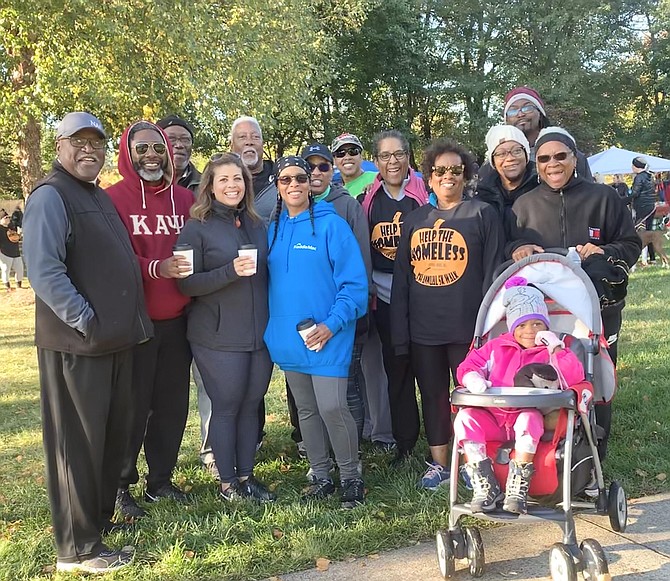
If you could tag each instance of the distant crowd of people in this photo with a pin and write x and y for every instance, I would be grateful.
(357, 290)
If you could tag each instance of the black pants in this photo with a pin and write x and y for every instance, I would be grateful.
(236, 383)
(160, 402)
(611, 326)
(649, 225)
(85, 428)
(402, 392)
(432, 365)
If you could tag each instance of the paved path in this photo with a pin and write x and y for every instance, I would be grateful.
(522, 553)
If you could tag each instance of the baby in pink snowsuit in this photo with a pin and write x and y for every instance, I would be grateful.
(529, 341)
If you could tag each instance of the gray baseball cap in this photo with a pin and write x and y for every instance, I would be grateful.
(77, 121)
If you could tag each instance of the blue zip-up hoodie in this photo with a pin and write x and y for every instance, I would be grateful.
(321, 276)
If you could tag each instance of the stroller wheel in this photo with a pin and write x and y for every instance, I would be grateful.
(445, 554)
(561, 564)
(594, 561)
(475, 548)
(617, 507)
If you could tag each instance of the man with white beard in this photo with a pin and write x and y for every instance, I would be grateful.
(246, 140)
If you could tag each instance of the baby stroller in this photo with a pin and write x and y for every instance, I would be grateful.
(567, 459)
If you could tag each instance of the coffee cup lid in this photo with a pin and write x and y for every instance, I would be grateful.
(248, 247)
(305, 324)
(182, 247)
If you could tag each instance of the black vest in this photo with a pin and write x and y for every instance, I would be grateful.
(103, 268)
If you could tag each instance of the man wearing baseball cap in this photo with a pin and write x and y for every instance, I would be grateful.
(508, 152)
(347, 151)
(180, 133)
(89, 314)
(525, 110)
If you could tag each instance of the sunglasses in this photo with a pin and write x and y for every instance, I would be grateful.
(351, 151)
(560, 156)
(455, 170)
(386, 155)
(322, 167)
(141, 148)
(80, 142)
(218, 156)
(514, 111)
(300, 179)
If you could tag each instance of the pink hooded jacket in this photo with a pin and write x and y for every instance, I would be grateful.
(500, 359)
(414, 189)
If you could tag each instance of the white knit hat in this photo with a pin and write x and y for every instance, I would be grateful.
(500, 134)
(523, 303)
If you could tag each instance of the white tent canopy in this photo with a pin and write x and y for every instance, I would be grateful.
(616, 160)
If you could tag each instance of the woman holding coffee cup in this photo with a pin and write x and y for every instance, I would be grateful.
(318, 289)
(228, 316)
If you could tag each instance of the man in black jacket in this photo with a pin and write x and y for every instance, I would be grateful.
(180, 134)
(89, 313)
(643, 197)
(508, 152)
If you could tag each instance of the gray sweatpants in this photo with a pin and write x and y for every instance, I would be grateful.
(324, 415)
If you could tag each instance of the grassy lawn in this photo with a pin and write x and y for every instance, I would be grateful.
(211, 540)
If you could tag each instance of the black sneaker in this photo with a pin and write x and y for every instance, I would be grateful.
(401, 458)
(319, 489)
(109, 527)
(256, 490)
(353, 493)
(383, 447)
(232, 493)
(104, 562)
(127, 506)
(167, 490)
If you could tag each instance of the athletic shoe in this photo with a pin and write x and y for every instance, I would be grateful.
(232, 493)
(591, 490)
(383, 447)
(465, 477)
(320, 489)
(353, 493)
(167, 490)
(109, 527)
(401, 458)
(256, 490)
(436, 476)
(127, 505)
(302, 450)
(104, 562)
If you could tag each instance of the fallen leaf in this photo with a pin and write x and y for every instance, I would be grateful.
(19, 458)
(274, 579)
(322, 564)
(277, 533)
(48, 569)
(373, 556)
(662, 476)
(188, 488)
(284, 467)
(189, 554)
(640, 472)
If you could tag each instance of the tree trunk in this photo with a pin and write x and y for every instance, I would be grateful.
(30, 155)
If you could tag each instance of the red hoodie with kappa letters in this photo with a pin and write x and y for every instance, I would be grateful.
(154, 216)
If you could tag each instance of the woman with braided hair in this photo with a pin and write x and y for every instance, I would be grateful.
(316, 272)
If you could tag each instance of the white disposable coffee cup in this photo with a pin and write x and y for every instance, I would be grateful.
(252, 251)
(305, 328)
(185, 250)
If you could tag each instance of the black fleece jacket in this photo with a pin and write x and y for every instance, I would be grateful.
(578, 213)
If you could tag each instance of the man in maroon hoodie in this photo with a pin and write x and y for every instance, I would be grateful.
(153, 209)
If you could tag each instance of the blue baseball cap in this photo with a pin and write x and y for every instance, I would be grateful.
(317, 149)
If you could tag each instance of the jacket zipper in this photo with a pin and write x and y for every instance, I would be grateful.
(564, 234)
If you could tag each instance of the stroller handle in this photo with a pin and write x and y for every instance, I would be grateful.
(557, 250)
(515, 397)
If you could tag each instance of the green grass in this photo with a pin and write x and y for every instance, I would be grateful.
(211, 540)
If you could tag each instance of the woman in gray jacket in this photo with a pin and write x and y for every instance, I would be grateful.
(228, 316)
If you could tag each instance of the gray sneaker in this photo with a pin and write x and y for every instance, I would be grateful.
(106, 561)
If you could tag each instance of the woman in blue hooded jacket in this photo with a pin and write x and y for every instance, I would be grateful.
(316, 271)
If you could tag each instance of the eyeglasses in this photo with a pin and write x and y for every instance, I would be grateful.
(181, 141)
(80, 142)
(300, 179)
(560, 156)
(351, 151)
(515, 152)
(386, 155)
(322, 167)
(141, 148)
(455, 170)
(514, 111)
